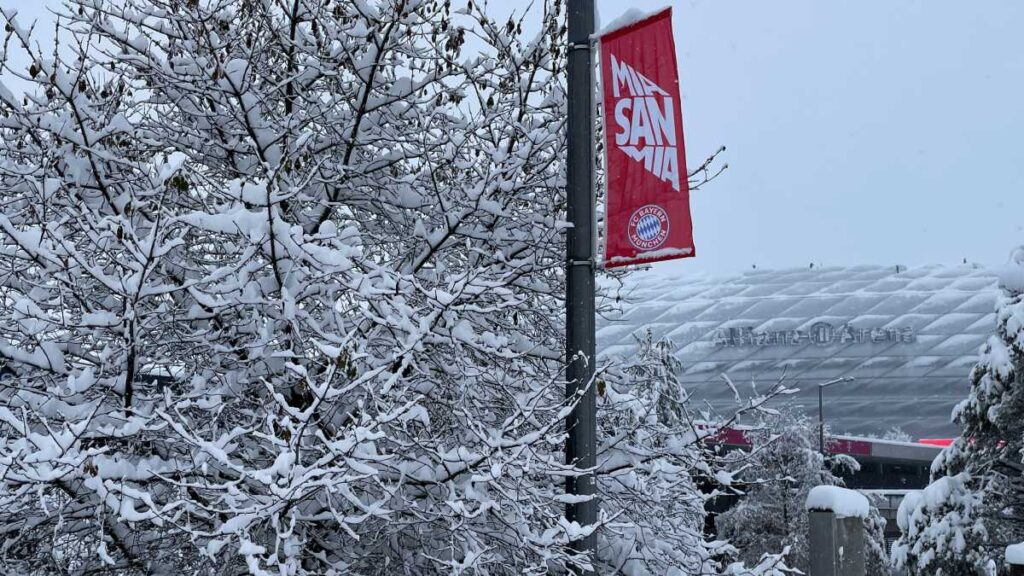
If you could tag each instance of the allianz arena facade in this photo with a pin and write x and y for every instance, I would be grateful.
(907, 337)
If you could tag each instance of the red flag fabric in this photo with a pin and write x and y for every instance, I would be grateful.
(647, 216)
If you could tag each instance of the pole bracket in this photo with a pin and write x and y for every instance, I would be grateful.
(579, 46)
(582, 262)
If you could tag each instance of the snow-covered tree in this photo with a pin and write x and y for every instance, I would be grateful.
(282, 287)
(962, 522)
(657, 469)
(283, 292)
(772, 482)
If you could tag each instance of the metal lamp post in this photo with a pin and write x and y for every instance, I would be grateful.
(581, 425)
(821, 410)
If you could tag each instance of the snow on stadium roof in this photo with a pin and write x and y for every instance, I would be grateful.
(909, 338)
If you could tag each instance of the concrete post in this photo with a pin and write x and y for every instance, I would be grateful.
(1015, 559)
(836, 544)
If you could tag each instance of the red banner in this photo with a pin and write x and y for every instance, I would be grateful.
(647, 216)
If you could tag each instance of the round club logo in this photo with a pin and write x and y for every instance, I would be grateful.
(648, 227)
(822, 333)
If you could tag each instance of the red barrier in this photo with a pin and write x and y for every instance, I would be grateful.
(942, 442)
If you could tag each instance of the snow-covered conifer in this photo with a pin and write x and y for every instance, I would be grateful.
(962, 522)
(772, 482)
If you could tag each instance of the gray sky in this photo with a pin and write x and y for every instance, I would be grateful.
(858, 132)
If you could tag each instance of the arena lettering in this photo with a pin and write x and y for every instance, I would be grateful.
(819, 333)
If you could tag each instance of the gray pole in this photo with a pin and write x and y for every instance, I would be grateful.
(581, 425)
(821, 410)
(821, 421)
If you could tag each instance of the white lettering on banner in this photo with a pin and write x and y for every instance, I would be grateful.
(646, 119)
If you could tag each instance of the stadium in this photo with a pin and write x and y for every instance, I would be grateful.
(903, 339)
(907, 337)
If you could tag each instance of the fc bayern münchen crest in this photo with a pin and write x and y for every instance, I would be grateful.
(648, 227)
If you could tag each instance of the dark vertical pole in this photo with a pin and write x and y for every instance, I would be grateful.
(581, 425)
(821, 421)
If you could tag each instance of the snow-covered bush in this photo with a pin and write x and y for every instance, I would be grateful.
(772, 482)
(962, 522)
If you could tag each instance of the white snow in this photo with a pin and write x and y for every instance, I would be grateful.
(650, 255)
(173, 163)
(101, 550)
(1011, 276)
(844, 503)
(911, 501)
(628, 18)
(1015, 554)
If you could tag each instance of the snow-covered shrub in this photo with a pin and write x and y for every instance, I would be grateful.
(961, 523)
(772, 482)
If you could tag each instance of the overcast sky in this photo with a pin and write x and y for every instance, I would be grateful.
(858, 132)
